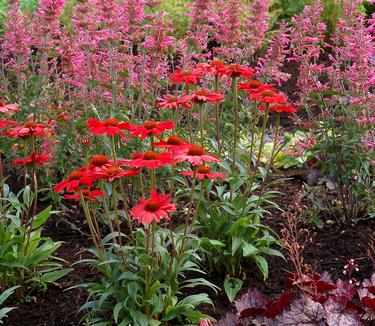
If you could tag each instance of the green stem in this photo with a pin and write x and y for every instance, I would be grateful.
(201, 123)
(277, 125)
(115, 203)
(86, 211)
(113, 147)
(235, 134)
(217, 116)
(253, 129)
(126, 209)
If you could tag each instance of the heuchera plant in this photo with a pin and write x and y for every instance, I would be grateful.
(315, 300)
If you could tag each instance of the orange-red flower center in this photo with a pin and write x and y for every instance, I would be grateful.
(113, 170)
(31, 124)
(268, 93)
(152, 205)
(174, 140)
(75, 175)
(172, 99)
(186, 73)
(204, 169)
(111, 122)
(201, 92)
(150, 155)
(150, 125)
(99, 160)
(254, 84)
(195, 150)
(217, 63)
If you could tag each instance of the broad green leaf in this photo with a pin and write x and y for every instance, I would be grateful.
(262, 264)
(41, 218)
(231, 287)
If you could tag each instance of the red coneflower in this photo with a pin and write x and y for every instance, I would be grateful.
(173, 143)
(185, 76)
(153, 208)
(268, 96)
(204, 172)
(8, 109)
(279, 108)
(33, 158)
(4, 123)
(151, 128)
(235, 70)
(111, 127)
(195, 155)
(91, 194)
(173, 102)
(203, 95)
(213, 67)
(100, 162)
(255, 86)
(150, 160)
(30, 128)
(72, 182)
(109, 174)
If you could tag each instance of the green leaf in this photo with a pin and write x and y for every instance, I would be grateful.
(7, 293)
(236, 243)
(41, 218)
(262, 265)
(173, 312)
(55, 275)
(248, 249)
(116, 310)
(232, 286)
(196, 299)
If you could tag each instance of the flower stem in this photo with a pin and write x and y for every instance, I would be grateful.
(277, 125)
(235, 133)
(217, 117)
(201, 123)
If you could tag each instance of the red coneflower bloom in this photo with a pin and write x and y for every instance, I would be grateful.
(173, 143)
(72, 182)
(87, 194)
(30, 128)
(151, 128)
(8, 109)
(279, 108)
(153, 208)
(268, 96)
(185, 76)
(203, 95)
(33, 158)
(204, 172)
(150, 160)
(111, 127)
(100, 162)
(213, 67)
(4, 123)
(173, 102)
(195, 155)
(255, 86)
(235, 70)
(110, 174)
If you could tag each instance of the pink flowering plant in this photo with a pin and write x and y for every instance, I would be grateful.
(169, 142)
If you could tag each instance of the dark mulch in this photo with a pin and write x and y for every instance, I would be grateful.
(329, 250)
